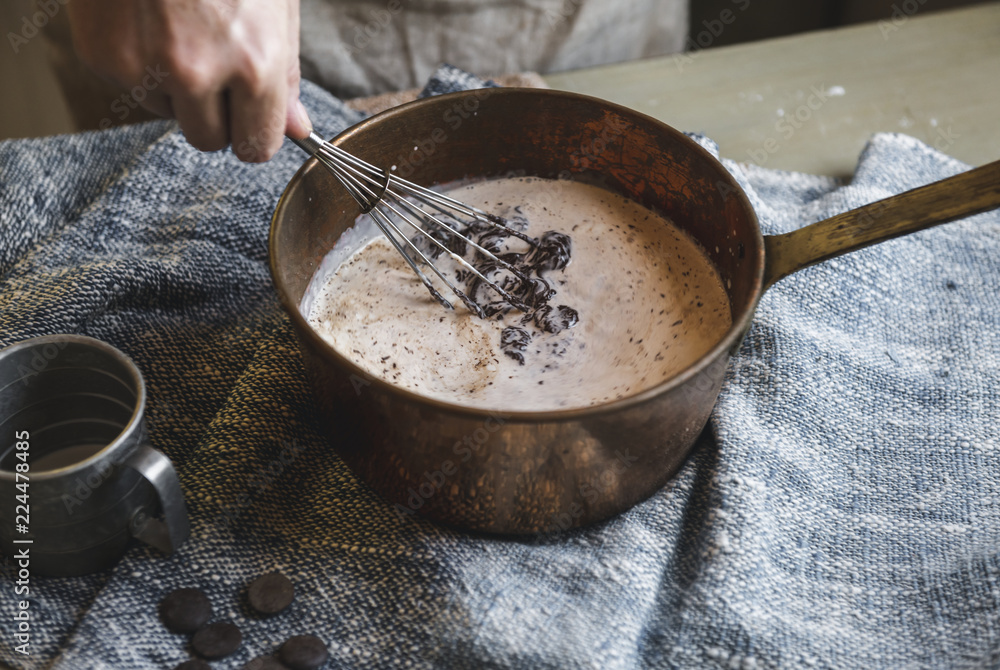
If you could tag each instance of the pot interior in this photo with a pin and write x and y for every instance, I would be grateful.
(492, 133)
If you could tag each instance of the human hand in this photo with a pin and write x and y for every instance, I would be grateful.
(227, 70)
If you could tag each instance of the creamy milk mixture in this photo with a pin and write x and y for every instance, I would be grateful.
(649, 303)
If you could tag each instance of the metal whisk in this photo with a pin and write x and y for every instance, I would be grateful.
(393, 202)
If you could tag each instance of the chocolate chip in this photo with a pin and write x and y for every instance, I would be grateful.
(514, 342)
(528, 294)
(493, 241)
(270, 593)
(556, 320)
(194, 664)
(553, 252)
(185, 610)
(217, 640)
(303, 652)
(264, 663)
(535, 292)
(452, 242)
(517, 222)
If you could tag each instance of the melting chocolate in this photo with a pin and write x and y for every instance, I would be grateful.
(633, 274)
(519, 274)
(552, 253)
(445, 236)
(514, 342)
(555, 320)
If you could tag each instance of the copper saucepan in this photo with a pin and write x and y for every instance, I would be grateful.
(527, 472)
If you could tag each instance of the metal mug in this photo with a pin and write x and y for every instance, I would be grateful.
(78, 480)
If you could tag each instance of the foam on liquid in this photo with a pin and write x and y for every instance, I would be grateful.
(650, 304)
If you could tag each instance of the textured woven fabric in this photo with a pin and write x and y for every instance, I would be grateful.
(842, 508)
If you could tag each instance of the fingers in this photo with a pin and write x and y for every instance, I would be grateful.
(196, 89)
(159, 103)
(257, 117)
(297, 123)
(204, 119)
(261, 90)
(227, 71)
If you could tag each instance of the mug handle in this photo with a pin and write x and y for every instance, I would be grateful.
(169, 534)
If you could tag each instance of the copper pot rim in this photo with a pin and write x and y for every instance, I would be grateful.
(723, 349)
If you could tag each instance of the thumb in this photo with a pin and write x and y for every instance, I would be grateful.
(297, 124)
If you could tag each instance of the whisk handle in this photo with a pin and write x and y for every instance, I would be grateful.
(310, 144)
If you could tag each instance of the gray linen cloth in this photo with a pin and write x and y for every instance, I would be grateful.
(842, 508)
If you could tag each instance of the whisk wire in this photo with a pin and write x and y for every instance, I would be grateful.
(384, 224)
(371, 187)
(355, 175)
(471, 304)
(443, 203)
(458, 259)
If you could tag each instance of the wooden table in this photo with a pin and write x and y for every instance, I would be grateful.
(810, 102)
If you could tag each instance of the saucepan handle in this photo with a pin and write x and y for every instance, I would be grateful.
(963, 195)
(169, 534)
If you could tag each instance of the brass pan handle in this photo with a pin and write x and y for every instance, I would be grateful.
(963, 195)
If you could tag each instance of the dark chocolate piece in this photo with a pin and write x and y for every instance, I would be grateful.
(264, 663)
(554, 320)
(185, 610)
(535, 292)
(270, 593)
(517, 222)
(217, 640)
(514, 342)
(304, 652)
(553, 252)
(193, 664)
(493, 241)
(529, 292)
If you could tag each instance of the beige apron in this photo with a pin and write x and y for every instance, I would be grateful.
(361, 47)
